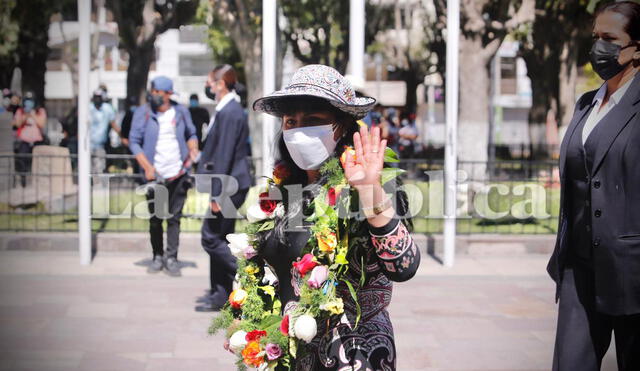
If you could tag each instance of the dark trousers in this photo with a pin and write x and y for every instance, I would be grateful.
(22, 161)
(222, 265)
(169, 208)
(584, 334)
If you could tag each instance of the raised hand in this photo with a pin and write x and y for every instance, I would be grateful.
(363, 170)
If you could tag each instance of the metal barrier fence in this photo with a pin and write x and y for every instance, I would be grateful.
(508, 197)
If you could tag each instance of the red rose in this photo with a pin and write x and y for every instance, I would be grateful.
(332, 196)
(284, 325)
(305, 264)
(255, 335)
(266, 205)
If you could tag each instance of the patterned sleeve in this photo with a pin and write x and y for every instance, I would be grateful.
(398, 254)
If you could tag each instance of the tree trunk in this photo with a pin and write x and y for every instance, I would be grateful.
(412, 82)
(542, 98)
(567, 79)
(473, 129)
(32, 53)
(7, 65)
(251, 53)
(542, 72)
(140, 60)
(69, 58)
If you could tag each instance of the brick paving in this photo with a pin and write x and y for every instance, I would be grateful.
(486, 313)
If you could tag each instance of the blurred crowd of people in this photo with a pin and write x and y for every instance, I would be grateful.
(109, 129)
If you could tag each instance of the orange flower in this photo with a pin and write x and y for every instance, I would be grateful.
(327, 241)
(280, 173)
(348, 151)
(251, 356)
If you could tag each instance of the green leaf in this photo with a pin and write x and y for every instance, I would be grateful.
(390, 156)
(390, 173)
(354, 296)
(362, 270)
(270, 321)
(269, 224)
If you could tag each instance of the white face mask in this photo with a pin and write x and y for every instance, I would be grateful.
(310, 146)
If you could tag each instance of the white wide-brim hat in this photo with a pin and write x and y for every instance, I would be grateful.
(318, 81)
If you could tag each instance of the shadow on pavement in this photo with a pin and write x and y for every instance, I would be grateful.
(183, 263)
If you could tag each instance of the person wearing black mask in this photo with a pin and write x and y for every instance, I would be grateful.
(596, 261)
(224, 153)
(200, 117)
(164, 142)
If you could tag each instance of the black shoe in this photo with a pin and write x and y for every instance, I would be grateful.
(156, 265)
(204, 299)
(209, 307)
(172, 267)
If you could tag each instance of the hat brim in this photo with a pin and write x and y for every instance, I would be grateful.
(273, 103)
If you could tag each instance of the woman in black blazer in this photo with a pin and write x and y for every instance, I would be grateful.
(225, 154)
(596, 261)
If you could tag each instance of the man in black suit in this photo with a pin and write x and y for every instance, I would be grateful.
(224, 154)
(596, 261)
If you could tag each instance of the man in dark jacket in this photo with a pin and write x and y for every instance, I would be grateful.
(224, 155)
(199, 116)
(164, 141)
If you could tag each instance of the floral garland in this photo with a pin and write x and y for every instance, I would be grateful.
(256, 331)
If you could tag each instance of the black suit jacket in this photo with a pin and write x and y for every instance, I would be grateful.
(225, 150)
(199, 116)
(614, 182)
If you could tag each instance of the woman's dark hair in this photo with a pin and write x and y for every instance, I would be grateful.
(227, 74)
(630, 10)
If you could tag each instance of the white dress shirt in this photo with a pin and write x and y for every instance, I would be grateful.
(223, 102)
(599, 112)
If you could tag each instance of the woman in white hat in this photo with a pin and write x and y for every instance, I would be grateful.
(334, 271)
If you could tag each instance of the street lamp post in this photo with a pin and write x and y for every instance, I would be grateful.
(269, 37)
(356, 37)
(84, 154)
(451, 147)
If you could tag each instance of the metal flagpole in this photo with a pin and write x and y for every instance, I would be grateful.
(84, 154)
(451, 147)
(269, 34)
(356, 37)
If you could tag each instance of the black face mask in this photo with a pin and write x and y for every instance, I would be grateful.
(604, 59)
(155, 100)
(207, 91)
(97, 102)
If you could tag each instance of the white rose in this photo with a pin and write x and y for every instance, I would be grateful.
(305, 328)
(238, 242)
(238, 341)
(255, 214)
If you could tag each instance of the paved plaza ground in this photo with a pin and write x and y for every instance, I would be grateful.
(486, 313)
